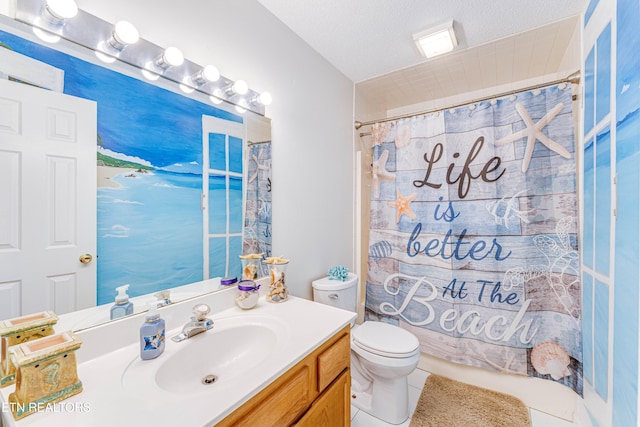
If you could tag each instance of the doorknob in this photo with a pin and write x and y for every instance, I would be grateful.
(86, 258)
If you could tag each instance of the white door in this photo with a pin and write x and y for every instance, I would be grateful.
(47, 200)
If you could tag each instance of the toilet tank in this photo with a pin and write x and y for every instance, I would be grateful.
(337, 293)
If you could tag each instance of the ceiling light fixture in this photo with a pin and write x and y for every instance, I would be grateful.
(436, 41)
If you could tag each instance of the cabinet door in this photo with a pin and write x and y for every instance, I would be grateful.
(332, 408)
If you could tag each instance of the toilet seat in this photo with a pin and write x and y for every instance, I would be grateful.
(385, 340)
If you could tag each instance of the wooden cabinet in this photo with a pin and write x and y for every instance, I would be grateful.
(314, 393)
(332, 408)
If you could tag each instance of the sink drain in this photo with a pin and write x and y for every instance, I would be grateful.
(209, 379)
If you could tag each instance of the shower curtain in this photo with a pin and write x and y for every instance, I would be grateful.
(473, 235)
(257, 222)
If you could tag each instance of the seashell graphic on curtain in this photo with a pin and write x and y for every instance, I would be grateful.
(549, 358)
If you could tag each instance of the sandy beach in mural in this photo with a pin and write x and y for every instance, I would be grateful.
(106, 173)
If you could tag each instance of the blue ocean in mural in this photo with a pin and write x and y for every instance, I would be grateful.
(137, 240)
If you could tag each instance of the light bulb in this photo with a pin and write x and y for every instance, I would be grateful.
(173, 56)
(265, 98)
(43, 35)
(124, 34)
(184, 86)
(216, 97)
(62, 9)
(240, 87)
(208, 74)
(103, 56)
(240, 110)
(149, 75)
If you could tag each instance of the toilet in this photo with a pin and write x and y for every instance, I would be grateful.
(382, 355)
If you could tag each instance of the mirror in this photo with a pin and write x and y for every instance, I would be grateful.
(183, 185)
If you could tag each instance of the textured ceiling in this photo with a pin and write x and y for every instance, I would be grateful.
(526, 56)
(501, 43)
(370, 38)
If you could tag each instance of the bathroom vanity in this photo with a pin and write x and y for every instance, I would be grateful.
(314, 392)
(281, 364)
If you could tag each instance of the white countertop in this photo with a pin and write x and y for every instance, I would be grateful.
(106, 402)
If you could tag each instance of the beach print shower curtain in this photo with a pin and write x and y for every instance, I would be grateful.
(473, 239)
(257, 223)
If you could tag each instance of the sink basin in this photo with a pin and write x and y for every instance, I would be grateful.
(211, 359)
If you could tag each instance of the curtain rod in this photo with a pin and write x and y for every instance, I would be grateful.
(573, 78)
(250, 143)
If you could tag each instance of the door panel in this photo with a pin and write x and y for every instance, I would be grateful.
(47, 200)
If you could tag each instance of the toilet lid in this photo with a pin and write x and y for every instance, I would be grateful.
(385, 339)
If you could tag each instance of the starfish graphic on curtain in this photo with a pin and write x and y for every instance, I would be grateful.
(533, 132)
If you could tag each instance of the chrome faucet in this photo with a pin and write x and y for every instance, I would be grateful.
(199, 323)
(163, 298)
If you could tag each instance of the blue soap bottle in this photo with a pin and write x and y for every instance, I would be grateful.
(122, 306)
(152, 334)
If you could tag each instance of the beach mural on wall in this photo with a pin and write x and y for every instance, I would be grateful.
(149, 156)
(473, 239)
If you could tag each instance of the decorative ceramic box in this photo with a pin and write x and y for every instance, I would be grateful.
(20, 330)
(46, 372)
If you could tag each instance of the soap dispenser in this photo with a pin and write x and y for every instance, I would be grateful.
(122, 307)
(152, 334)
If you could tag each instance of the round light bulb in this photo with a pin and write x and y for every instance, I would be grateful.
(216, 97)
(240, 87)
(240, 110)
(62, 9)
(125, 33)
(44, 36)
(210, 73)
(149, 75)
(265, 98)
(173, 56)
(186, 88)
(102, 56)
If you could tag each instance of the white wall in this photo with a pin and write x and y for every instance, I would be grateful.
(312, 116)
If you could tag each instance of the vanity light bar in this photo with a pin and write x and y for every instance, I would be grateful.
(109, 41)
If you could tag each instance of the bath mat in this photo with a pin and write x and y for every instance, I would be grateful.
(445, 403)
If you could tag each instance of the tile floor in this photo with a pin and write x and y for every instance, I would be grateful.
(416, 381)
